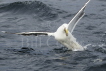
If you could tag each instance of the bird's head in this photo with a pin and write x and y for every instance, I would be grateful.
(63, 29)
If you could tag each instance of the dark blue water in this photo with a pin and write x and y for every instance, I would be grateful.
(30, 53)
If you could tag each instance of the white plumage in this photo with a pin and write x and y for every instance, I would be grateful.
(64, 32)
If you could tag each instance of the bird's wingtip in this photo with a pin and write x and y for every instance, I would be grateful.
(3, 31)
(87, 2)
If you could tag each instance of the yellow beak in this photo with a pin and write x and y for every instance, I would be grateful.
(66, 31)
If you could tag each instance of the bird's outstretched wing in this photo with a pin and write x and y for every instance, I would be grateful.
(31, 33)
(77, 17)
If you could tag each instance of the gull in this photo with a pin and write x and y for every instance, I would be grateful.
(64, 33)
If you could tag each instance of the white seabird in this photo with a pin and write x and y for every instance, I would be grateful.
(64, 32)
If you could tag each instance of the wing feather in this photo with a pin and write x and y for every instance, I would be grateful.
(31, 33)
(77, 17)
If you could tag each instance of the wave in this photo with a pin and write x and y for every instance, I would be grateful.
(29, 7)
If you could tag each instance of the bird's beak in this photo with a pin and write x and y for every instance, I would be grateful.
(66, 31)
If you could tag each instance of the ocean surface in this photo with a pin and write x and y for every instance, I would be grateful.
(43, 53)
